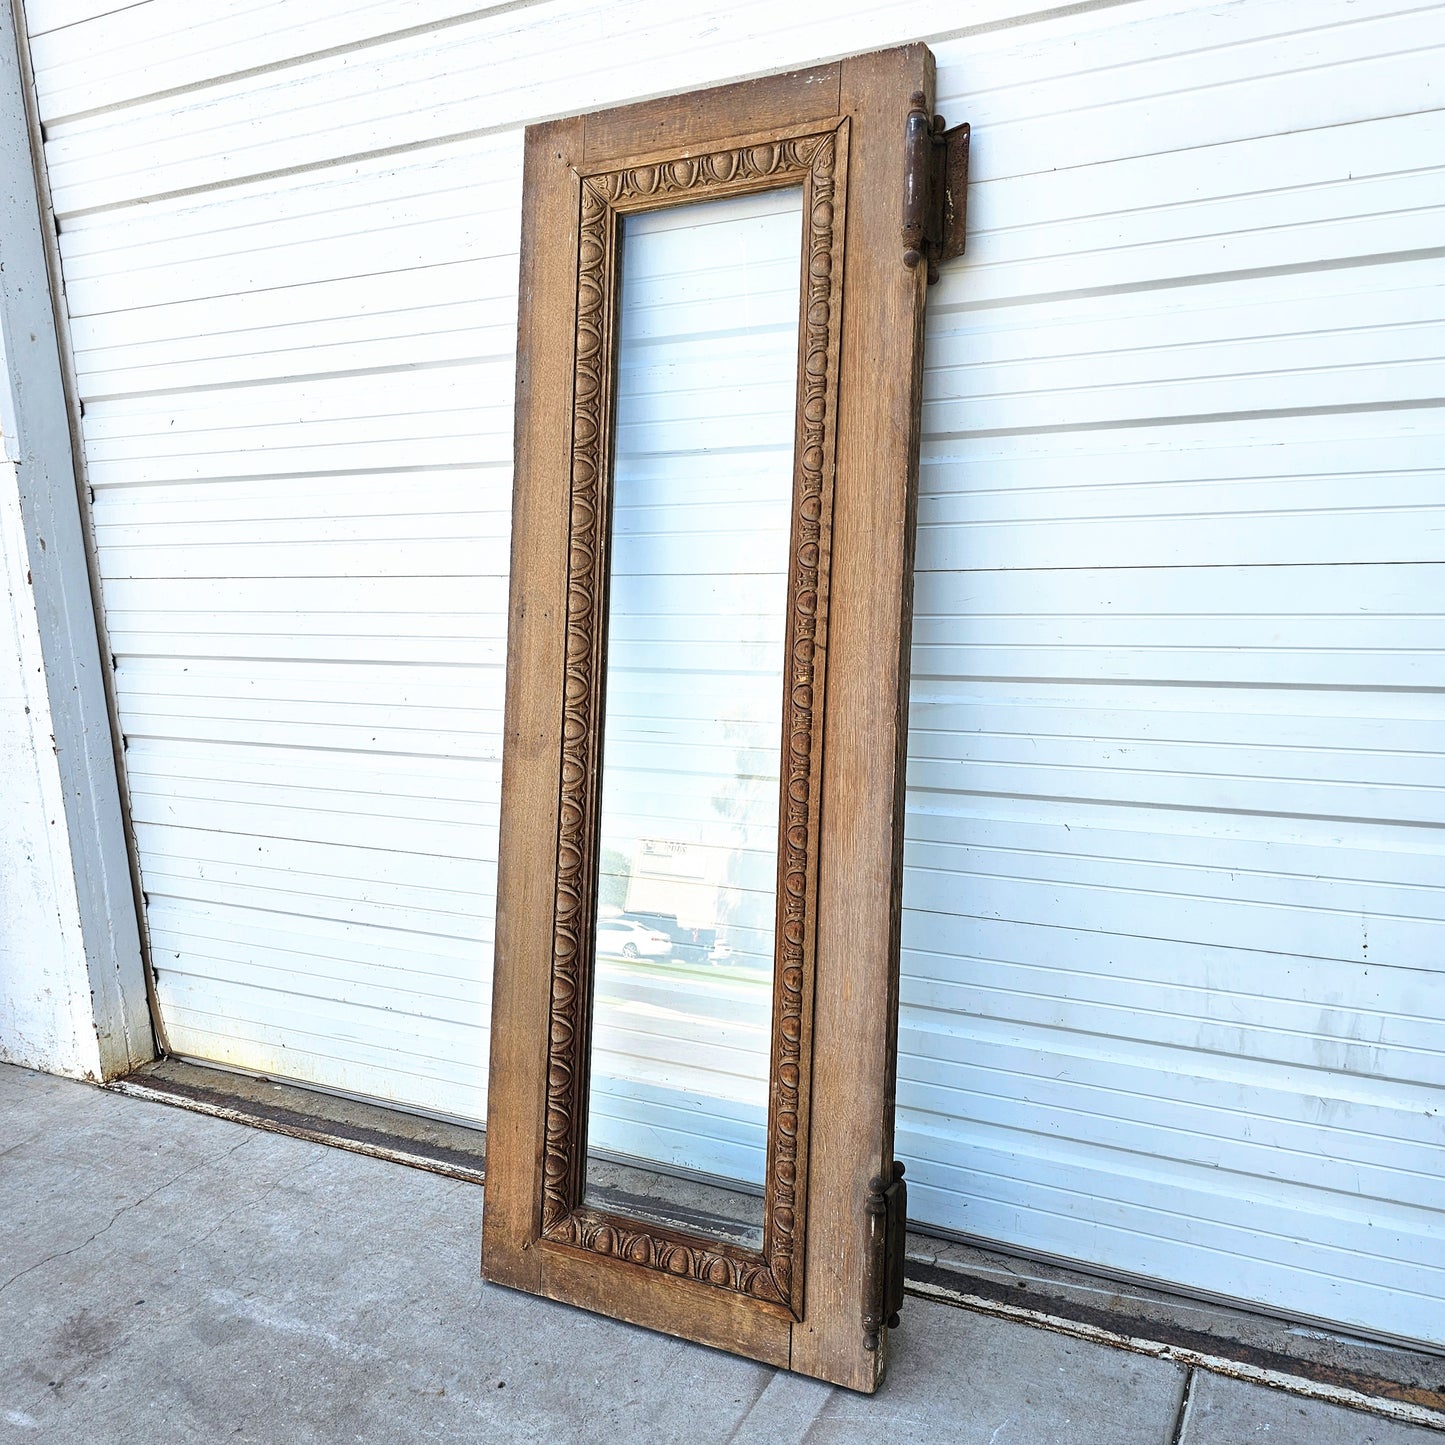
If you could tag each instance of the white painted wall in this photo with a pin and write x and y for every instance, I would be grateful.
(1172, 998)
(45, 1010)
(72, 991)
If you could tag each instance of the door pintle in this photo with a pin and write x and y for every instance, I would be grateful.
(934, 187)
(887, 1210)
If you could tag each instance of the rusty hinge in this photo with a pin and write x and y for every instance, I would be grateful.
(887, 1239)
(935, 184)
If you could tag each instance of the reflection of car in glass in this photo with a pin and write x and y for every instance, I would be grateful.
(631, 940)
(687, 943)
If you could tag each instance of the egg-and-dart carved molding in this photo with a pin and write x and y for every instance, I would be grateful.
(819, 162)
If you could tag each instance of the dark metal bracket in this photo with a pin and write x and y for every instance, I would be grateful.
(887, 1240)
(935, 188)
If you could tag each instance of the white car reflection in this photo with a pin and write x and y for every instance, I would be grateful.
(631, 940)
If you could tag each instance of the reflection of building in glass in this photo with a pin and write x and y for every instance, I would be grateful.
(672, 877)
(708, 891)
(746, 796)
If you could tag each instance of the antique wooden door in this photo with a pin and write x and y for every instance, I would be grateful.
(718, 392)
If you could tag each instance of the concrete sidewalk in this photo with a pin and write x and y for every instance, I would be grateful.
(170, 1277)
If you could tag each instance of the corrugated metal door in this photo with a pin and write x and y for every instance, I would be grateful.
(1172, 983)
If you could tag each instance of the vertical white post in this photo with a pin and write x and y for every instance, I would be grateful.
(88, 858)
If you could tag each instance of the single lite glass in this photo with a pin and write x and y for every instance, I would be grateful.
(692, 736)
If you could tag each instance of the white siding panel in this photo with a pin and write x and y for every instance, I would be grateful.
(47, 1012)
(167, 45)
(1172, 998)
(384, 78)
(549, 59)
(44, 15)
(1172, 995)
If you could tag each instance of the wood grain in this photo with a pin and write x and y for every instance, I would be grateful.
(661, 1302)
(856, 1000)
(680, 122)
(531, 757)
(819, 161)
(839, 857)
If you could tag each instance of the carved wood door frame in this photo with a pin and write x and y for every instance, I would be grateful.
(806, 1299)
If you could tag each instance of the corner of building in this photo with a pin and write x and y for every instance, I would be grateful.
(72, 982)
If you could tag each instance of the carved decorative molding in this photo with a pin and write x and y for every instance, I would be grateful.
(727, 1267)
(819, 163)
(572, 941)
(812, 506)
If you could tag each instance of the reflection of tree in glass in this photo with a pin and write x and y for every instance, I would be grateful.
(614, 876)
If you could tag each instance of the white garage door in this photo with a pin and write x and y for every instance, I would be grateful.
(1172, 997)
(1173, 976)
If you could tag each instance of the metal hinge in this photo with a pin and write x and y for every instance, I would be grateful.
(887, 1238)
(935, 185)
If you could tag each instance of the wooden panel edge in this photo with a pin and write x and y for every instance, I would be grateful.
(678, 1307)
(855, 1015)
(865, 730)
(511, 1216)
(696, 118)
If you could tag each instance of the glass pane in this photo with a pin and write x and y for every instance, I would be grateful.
(692, 742)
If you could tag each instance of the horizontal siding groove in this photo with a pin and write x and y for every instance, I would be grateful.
(1204, 278)
(1007, 860)
(1154, 803)
(313, 660)
(1274, 1032)
(281, 173)
(1363, 408)
(504, 357)
(223, 1038)
(1208, 1196)
(57, 122)
(290, 62)
(172, 888)
(308, 985)
(1284, 1160)
(1240, 1246)
(1160, 893)
(318, 474)
(57, 20)
(444, 264)
(1052, 678)
(1101, 738)
(1083, 930)
(1231, 1248)
(370, 753)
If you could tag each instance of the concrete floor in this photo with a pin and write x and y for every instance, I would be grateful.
(170, 1277)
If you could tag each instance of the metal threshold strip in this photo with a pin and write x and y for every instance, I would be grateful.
(1390, 1380)
(441, 1146)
